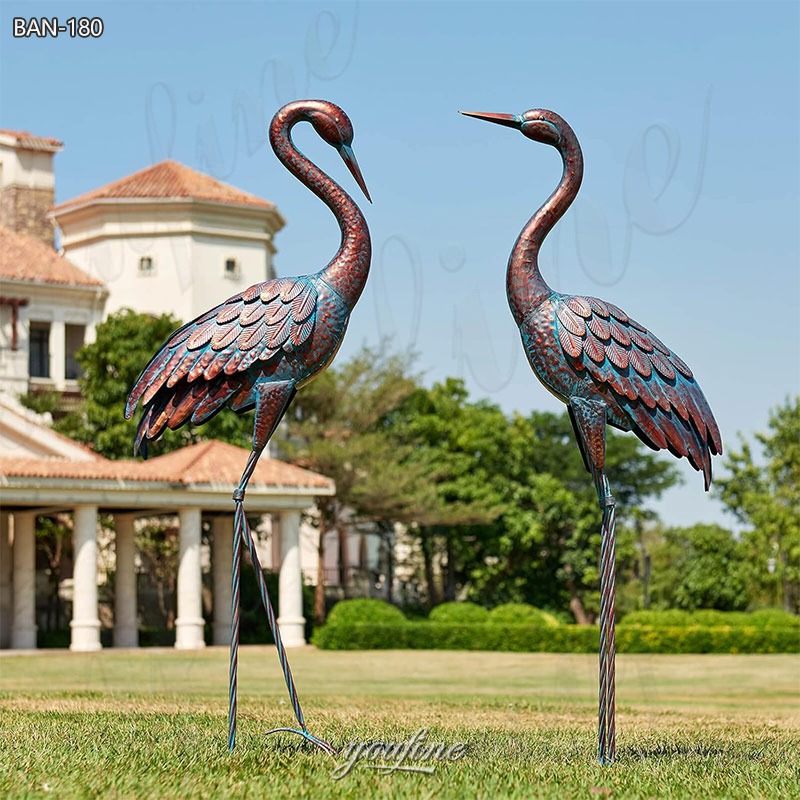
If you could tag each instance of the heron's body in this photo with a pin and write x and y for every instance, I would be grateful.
(275, 336)
(605, 366)
(583, 347)
(273, 341)
(256, 349)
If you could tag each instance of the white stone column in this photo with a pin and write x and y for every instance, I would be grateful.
(189, 623)
(85, 623)
(126, 627)
(290, 582)
(222, 528)
(5, 581)
(58, 360)
(23, 625)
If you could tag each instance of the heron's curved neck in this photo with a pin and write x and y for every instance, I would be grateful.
(524, 282)
(348, 269)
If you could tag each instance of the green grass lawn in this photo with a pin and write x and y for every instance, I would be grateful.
(152, 723)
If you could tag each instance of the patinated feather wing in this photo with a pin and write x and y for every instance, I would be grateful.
(209, 362)
(652, 386)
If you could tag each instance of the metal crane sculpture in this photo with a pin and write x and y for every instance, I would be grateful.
(606, 367)
(260, 346)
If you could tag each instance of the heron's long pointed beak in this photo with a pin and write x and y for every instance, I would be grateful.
(509, 120)
(349, 158)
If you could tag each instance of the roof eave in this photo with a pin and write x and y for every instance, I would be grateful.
(70, 206)
(93, 288)
(34, 143)
(109, 494)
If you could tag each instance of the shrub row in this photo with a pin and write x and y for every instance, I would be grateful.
(555, 639)
(365, 609)
(766, 618)
(520, 614)
(451, 636)
(459, 613)
(707, 639)
(465, 613)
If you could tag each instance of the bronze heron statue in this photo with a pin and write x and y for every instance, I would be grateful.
(256, 349)
(606, 367)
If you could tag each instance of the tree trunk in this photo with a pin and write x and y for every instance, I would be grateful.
(788, 594)
(344, 557)
(430, 578)
(389, 539)
(319, 589)
(577, 609)
(788, 599)
(645, 563)
(450, 575)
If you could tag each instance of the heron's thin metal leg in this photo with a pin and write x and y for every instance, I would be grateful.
(589, 421)
(276, 634)
(236, 572)
(607, 702)
(249, 467)
(242, 534)
(236, 581)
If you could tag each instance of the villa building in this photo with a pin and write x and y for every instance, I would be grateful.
(169, 239)
(49, 307)
(166, 239)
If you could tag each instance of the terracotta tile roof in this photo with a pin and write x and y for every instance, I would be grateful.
(218, 462)
(27, 141)
(169, 179)
(210, 462)
(23, 258)
(62, 468)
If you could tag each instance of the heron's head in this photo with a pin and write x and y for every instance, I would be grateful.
(538, 124)
(334, 127)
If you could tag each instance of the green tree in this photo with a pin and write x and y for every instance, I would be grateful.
(702, 566)
(123, 346)
(333, 427)
(532, 556)
(636, 474)
(546, 549)
(461, 447)
(762, 490)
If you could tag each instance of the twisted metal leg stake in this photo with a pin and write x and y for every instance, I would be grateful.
(236, 572)
(606, 714)
(242, 534)
(589, 422)
(276, 633)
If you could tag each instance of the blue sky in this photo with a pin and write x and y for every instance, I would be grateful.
(687, 114)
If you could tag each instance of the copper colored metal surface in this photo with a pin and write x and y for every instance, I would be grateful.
(258, 347)
(606, 367)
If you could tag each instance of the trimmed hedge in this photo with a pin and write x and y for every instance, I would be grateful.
(365, 610)
(459, 613)
(520, 614)
(509, 638)
(446, 636)
(707, 639)
(368, 624)
(552, 639)
(362, 636)
(766, 618)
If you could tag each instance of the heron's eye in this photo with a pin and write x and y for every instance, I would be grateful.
(541, 130)
(327, 128)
